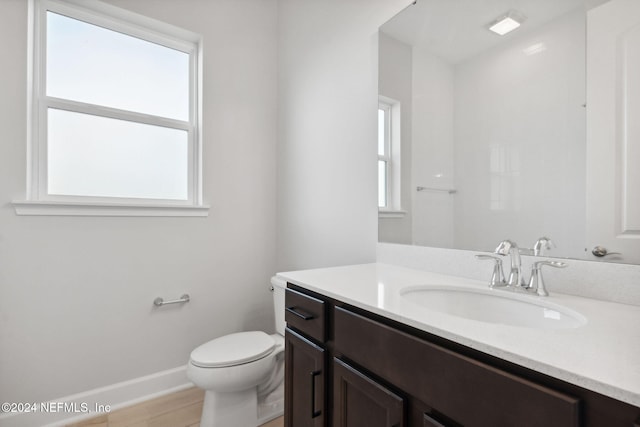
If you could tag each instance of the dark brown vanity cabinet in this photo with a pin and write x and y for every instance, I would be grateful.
(459, 390)
(305, 382)
(305, 361)
(378, 372)
(359, 401)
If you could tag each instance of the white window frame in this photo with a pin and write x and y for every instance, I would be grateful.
(392, 158)
(38, 201)
(386, 155)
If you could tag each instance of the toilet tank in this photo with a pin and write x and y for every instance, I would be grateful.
(279, 287)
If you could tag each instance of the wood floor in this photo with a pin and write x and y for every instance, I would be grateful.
(181, 409)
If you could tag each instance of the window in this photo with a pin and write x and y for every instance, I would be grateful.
(389, 157)
(114, 109)
(384, 153)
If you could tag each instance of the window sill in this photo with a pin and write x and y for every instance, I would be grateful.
(391, 213)
(47, 208)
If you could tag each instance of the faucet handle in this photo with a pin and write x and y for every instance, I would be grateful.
(505, 247)
(557, 264)
(497, 277)
(536, 282)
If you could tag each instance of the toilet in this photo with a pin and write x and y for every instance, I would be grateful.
(242, 373)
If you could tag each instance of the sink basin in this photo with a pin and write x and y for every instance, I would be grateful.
(494, 306)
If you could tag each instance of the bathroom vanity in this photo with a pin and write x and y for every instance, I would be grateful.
(361, 350)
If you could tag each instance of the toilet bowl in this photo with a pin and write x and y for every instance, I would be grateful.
(242, 373)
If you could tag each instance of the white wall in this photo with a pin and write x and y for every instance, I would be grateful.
(519, 122)
(76, 293)
(394, 81)
(327, 130)
(433, 109)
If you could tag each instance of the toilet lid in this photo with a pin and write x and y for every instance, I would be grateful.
(233, 349)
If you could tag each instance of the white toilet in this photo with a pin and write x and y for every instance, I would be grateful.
(242, 373)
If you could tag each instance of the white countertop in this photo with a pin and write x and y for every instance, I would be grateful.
(603, 355)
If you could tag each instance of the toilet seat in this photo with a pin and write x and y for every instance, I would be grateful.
(234, 349)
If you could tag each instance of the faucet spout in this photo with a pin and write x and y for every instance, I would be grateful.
(515, 276)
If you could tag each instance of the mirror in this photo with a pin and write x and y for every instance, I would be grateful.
(522, 136)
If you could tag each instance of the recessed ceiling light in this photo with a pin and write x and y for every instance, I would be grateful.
(506, 23)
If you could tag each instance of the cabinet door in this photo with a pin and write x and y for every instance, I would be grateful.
(359, 401)
(429, 421)
(305, 380)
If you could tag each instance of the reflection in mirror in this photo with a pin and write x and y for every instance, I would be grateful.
(496, 137)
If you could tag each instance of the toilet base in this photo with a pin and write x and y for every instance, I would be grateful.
(241, 409)
(238, 409)
(271, 406)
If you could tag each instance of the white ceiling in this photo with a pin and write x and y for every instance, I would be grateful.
(457, 29)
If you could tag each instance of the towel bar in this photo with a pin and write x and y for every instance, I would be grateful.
(158, 302)
(446, 190)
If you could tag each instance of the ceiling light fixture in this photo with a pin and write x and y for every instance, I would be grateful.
(506, 23)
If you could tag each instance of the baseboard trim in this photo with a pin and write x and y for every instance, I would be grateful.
(82, 406)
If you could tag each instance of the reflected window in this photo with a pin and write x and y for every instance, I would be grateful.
(384, 153)
(388, 155)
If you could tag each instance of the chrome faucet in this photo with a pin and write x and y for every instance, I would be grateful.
(516, 281)
(515, 275)
(542, 244)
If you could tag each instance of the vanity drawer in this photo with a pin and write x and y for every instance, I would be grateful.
(306, 314)
(468, 391)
